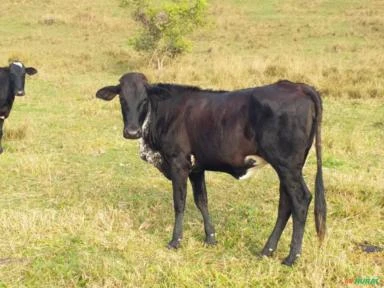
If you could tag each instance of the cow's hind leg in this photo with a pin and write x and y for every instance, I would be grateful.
(300, 198)
(201, 200)
(283, 215)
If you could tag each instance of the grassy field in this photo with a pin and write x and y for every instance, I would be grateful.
(78, 208)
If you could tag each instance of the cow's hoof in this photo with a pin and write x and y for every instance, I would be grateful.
(210, 240)
(174, 244)
(289, 261)
(267, 252)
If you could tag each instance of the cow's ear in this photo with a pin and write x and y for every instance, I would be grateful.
(30, 70)
(108, 93)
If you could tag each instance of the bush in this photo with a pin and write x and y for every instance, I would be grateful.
(165, 27)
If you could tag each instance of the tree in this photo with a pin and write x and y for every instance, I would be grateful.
(164, 27)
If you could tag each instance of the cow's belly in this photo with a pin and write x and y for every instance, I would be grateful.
(244, 170)
(238, 166)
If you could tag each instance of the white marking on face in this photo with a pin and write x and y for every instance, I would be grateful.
(270, 249)
(258, 162)
(18, 64)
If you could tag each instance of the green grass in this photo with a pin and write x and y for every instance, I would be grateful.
(79, 208)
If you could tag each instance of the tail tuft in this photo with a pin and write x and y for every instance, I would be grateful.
(320, 207)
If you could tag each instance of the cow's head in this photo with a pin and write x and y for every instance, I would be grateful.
(132, 92)
(17, 73)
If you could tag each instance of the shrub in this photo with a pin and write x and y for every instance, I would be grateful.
(164, 27)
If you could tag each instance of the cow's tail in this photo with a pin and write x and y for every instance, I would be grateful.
(320, 203)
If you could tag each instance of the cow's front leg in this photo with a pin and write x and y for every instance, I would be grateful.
(1, 133)
(179, 173)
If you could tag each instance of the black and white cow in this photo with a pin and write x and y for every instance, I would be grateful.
(186, 131)
(12, 80)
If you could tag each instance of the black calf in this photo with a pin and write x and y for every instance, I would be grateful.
(186, 130)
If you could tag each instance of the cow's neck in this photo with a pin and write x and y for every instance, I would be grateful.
(147, 153)
(145, 126)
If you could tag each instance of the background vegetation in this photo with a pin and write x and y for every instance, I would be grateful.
(165, 26)
(78, 208)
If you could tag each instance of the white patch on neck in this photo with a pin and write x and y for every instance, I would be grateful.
(147, 153)
(145, 126)
(258, 163)
(18, 64)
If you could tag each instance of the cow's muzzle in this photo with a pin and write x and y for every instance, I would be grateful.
(132, 133)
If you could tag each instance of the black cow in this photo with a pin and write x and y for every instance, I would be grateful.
(186, 130)
(12, 79)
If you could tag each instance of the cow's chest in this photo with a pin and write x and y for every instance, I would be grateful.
(154, 157)
(5, 109)
(6, 106)
(151, 156)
